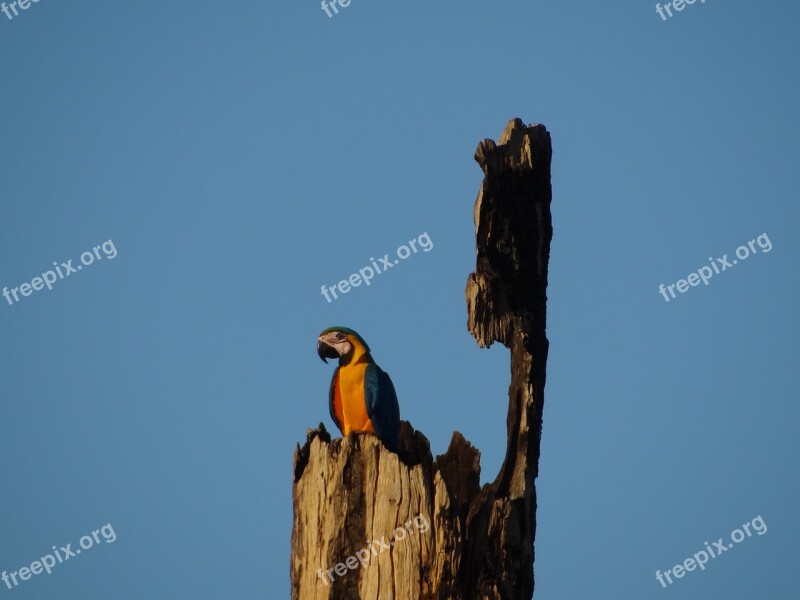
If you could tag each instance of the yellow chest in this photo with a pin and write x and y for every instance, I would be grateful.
(350, 402)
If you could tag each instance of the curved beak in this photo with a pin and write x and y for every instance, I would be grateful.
(326, 351)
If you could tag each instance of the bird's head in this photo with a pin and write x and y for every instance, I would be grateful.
(341, 343)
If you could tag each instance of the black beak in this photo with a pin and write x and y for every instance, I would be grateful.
(326, 351)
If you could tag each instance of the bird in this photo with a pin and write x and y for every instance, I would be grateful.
(362, 397)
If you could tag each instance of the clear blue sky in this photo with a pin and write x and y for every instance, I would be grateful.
(240, 155)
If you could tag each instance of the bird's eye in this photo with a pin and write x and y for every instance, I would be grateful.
(340, 336)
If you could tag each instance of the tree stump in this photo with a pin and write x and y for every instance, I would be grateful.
(370, 524)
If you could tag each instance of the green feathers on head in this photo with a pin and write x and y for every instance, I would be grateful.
(348, 331)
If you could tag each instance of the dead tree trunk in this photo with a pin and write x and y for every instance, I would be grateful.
(373, 525)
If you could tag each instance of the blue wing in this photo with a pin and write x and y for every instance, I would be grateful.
(331, 396)
(382, 407)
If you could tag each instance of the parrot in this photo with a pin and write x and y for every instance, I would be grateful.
(362, 396)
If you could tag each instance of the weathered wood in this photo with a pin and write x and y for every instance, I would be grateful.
(507, 302)
(353, 498)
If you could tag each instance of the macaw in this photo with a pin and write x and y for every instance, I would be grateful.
(362, 396)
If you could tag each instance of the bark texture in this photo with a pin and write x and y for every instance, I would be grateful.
(419, 528)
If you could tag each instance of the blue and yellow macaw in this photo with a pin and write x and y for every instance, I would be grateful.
(362, 396)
